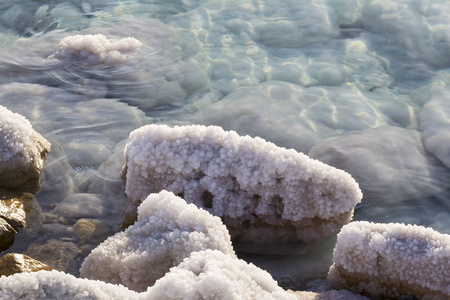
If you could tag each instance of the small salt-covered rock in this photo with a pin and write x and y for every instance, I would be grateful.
(391, 260)
(12, 263)
(22, 153)
(96, 49)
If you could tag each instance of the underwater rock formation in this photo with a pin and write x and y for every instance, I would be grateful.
(391, 260)
(266, 196)
(377, 159)
(434, 122)
(167, 231)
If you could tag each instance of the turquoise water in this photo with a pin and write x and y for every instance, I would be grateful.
(361, 85)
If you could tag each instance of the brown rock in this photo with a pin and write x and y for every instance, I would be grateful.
(57, 254)
(12, 208)
(91, 230)
(16, 212)
(7, 233)
(13, 263)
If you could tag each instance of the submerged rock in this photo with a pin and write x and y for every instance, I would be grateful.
(268, 197)
(391, 260)
(91, 230)
(389, 163)
(435, 124)
(12, 263)
(55, 253)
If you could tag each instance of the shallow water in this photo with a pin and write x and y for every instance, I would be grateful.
(359, 84)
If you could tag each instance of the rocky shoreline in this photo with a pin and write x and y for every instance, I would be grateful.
(179, 250)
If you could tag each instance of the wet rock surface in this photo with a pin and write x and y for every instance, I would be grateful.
(12, 263)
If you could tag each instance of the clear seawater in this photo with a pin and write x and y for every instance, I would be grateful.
(362, 85)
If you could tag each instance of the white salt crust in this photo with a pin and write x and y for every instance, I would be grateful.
(242, 175)
(96, 49)
(167, 231)
(391, 260)
(209, 274)
(15, 132)
(58, 285)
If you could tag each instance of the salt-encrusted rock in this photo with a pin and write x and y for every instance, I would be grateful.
(12, 263)
(167, 231)
(391, 260)
(22, 152)
(265, 195)
(96, 49)
(211, 274)
(58, 285)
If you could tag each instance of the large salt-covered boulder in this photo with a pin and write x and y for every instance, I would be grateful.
(167, 231)
(265, 195)
(22, 152)
(391, 260)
